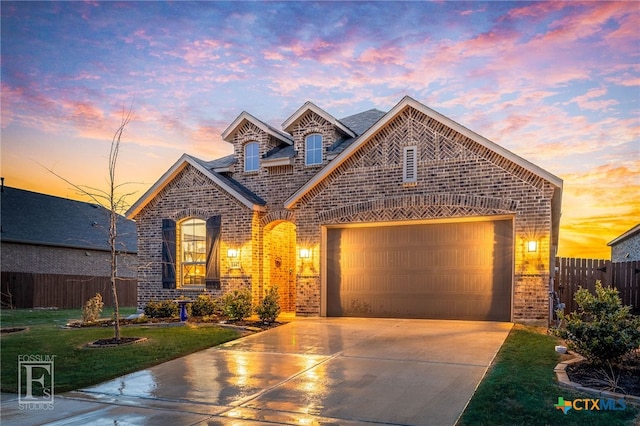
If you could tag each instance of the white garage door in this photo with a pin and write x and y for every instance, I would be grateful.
(458, 270)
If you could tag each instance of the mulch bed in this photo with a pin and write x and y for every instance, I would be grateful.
(12, 330)
(112, 342)
(628, 376)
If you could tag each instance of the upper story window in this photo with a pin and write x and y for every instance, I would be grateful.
(251, 157)
(313, 149)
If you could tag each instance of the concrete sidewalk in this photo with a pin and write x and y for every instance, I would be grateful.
(311, 371)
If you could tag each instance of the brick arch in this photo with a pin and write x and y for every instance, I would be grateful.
(191, 213)
(274, 217)
(440, 205)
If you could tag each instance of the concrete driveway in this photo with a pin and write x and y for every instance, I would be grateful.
(338, 371)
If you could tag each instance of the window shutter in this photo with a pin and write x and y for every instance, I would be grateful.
(212, 279)
(410, 169)
(168, 253)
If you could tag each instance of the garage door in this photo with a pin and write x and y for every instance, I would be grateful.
(460, 270)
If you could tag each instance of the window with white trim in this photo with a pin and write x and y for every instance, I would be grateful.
(410, 164)
(251, 157)
(194, 252)
(313, 149)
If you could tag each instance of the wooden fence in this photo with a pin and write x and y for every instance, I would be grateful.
(573, 273)
(25, 290)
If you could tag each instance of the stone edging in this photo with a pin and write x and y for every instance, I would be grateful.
(563, 380)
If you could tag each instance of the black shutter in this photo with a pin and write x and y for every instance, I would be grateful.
(168, 253)
(212, 279)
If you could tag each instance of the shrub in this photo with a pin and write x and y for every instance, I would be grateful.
(269, 309)
(203, 306)
(164, 309)
(92, 309)
(236, 305)
(601, 330)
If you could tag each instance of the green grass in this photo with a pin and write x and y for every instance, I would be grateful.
(77, 366)
(29, 317)
(520, 388)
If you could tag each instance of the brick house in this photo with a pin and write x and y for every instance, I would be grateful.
(626, 247)
(55, 251)
(398, 214)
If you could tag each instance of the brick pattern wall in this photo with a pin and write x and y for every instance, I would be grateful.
(457, 177)
(38, 259)
(276, 184)
(191, 194)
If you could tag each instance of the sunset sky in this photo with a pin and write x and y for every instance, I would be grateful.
(557, 83)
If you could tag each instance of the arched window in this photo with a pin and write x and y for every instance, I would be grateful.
(193, 243)
(313, 149)
(191, 252)
(251, 156)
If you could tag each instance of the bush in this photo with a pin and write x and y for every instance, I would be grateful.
(92, 309)
(601, 330)
(236, 305)
(203, 306)
(164, 309)
(269, 309)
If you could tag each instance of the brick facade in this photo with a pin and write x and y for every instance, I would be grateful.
(457, 177)
(41, 259)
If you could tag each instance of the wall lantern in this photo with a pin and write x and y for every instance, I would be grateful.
(232, 254)
(532, 246)
(305, 253)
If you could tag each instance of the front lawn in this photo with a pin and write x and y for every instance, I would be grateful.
(77, 366)
(520, 388)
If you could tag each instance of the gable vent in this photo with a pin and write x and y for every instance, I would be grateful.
(409, 168)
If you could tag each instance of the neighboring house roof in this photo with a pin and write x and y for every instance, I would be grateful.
(244, 116)
(35, 218)
(309, 106)
(234, 188)
(407, 102)
(630, 233)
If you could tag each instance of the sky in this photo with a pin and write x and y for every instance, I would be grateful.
(557, 83)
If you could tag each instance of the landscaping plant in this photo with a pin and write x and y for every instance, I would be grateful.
(602, 329)
(269, 309)
(203, 306)
(92, 309)
(236, 305)
(164, 309)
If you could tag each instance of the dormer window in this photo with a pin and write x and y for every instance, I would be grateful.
(251, 157)
(313, 149)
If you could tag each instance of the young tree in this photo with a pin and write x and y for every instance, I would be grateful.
(116, 203)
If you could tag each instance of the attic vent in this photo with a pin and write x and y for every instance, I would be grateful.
(409, 168)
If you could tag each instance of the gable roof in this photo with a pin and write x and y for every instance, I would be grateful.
(244, 116)
(232, 187)
(34, 218)
(309, 106)
(630, 233)
(408, 102)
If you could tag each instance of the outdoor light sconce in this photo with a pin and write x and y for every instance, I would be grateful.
(305, 253)
(232, 254)
(532, 246)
